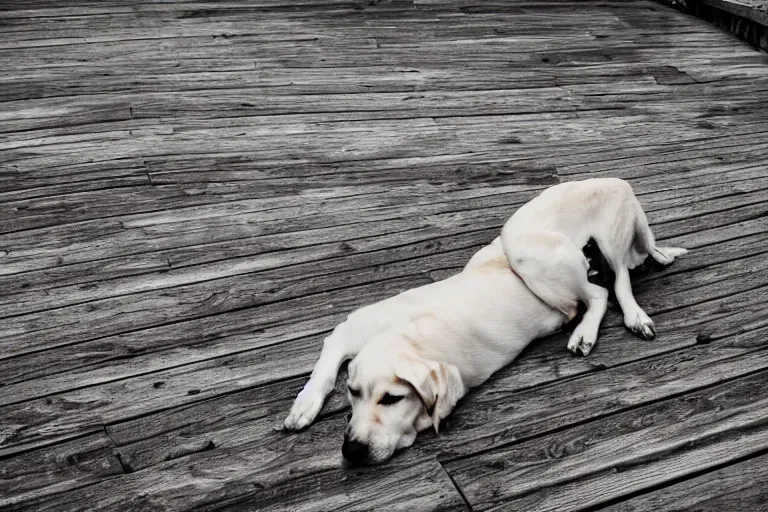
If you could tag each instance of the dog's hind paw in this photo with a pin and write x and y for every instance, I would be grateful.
(666, 255)
(647, 331)
(578, 345)
(642, 326)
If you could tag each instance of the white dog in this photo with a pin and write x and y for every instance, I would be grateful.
(416, 354)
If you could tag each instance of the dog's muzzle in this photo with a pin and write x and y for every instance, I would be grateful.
(354, 451)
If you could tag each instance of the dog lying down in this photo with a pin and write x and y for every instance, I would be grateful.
(416, 354)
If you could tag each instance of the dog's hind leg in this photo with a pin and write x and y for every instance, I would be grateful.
(645, 243)
(623, 243)
(556, 271)
(635, 318)
(584, 336)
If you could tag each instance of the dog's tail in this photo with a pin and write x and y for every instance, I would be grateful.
(645, 243)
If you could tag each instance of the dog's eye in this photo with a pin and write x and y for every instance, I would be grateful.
(354, 392)
(388, 399)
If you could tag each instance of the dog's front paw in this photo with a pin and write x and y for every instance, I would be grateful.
(305, 409)
(641, 325)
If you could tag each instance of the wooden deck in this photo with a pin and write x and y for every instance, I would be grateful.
(192, 195)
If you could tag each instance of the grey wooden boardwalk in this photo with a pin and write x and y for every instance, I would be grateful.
(192, 194)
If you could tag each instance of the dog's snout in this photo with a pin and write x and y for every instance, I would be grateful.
(354, 451)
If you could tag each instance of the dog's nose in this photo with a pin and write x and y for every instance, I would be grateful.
(354, 451)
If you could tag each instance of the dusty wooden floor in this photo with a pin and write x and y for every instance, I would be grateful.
(193, 194)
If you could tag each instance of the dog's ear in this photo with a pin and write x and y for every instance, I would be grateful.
(438, 384)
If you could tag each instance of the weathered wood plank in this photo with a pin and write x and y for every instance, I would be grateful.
(294, 247)
(32, 332)
(57, 468)
(328, 51)
(81, 206)
(66, 112)
(665, 164)
(288, 28)
(195, 226)
(102, 204)
(745, 483)
(30, 84)
(604, 460)
(27, 292)
(484, 140)
(423, 486)
(547, 127)
(18, 181)
(279, 33)
(375, 144)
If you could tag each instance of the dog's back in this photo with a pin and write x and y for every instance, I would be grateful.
(577, 209)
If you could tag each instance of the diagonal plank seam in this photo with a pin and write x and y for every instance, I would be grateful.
(125, 466)
(457, 487)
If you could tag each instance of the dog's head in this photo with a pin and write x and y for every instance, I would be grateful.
(394, 395)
